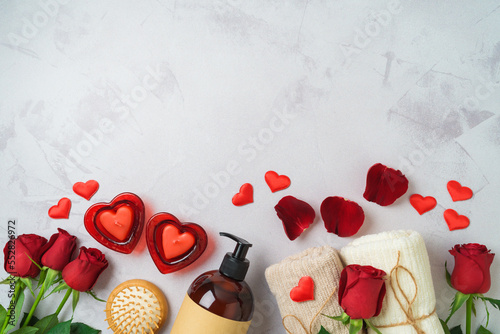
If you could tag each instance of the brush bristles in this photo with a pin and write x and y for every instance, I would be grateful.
(134, 311)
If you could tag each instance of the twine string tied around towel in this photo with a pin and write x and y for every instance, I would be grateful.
(408, 311)
(313, 319)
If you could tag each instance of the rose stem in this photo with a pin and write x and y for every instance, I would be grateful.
(35, 304)
(468, 324)
(15, 297)
(66, 296)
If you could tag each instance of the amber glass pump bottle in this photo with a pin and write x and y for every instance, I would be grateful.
(219, 301)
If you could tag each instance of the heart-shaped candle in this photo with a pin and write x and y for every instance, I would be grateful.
(174, 245)
(117, 225)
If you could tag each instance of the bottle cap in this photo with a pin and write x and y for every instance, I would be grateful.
(235, 265)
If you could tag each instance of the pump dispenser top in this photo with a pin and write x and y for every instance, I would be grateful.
(220, 300)
(235, 265)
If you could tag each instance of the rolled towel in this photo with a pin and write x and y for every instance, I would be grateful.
(323, 265)
(410, 303)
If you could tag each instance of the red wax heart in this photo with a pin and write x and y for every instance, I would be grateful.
(172, 244)
(117, 225)
(87, 189)
(245, 196)
(276, 182)
(457, 192)
(303, 291)
(176, 243)
(422, 204)
(61, 210)
(454, 220)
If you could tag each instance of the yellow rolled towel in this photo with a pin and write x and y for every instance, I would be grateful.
(410, 303)
(323, 265)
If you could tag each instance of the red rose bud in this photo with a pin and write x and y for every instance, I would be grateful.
(295, 214)
(361, 291)
(384, 185)
(17, 253)
(342, 217)
(472, 268)
(82, 273)
(57, 253)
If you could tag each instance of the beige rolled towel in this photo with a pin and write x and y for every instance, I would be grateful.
(410, 292)
(323, 265)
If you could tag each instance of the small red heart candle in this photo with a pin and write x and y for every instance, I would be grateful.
(117, 225)
(174, 245)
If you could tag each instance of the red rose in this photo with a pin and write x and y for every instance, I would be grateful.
(472, 268)
(361, 291)
(17, 253)
(57, 253)
(82, 273)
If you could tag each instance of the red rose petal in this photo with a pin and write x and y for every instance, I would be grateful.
(341, 216)
(295, 214)
(384, 185)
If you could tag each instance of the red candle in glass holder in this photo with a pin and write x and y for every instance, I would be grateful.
(174, 245)
(117, 225)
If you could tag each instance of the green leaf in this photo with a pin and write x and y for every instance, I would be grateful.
(372, 327)
(458, 301)
(344, 318)
(323, 331)
(474, 308)
(487, 311)
(33, 319)
(81, 328)
(456, 330)
(27, 282)
(92, 293)
(445, 327)
(483, 330)
(76, 297)
(9, 280)
(17, 311)
(25, 330)
(60, 287)
(355, 326)
(448, 276)
(41, 278)
(3, 314)
(338, 318)
(36, 264)
(46, 323)
(61, 328)
(494, 302)
(51, 278)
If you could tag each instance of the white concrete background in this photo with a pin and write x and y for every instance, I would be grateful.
(159, 97)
